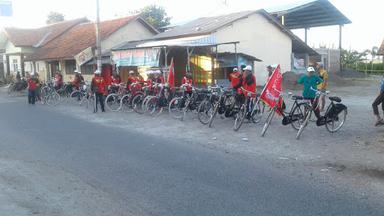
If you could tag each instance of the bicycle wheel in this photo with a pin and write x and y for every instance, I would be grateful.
(153, 106)
(126, 103)
(298, 115)
(76, 97)
(257, 113)
(53, 99)
(205, 111)
(44, 92)
(137, 103)
(176, 108)
(240, 116)
(112, 102)
(307, 115)
(268, 121)
(91, 101)
(215, 109)
(334, 123)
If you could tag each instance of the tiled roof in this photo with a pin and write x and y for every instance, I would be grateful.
(381, 49)
(78, 39)
(41, 36)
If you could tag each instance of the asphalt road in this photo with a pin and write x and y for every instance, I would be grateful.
(157, 176)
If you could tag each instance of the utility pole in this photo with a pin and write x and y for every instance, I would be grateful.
(98, 39)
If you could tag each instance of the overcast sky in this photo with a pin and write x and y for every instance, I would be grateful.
(365, 31)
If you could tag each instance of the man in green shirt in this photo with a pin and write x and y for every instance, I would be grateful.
(310, 82)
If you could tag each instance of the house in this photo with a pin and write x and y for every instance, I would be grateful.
(381, 50)
(16, 43)
(75, 48)
(199, 45)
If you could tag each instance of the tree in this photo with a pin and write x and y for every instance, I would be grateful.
(155, 15)
(54, 17)
(351, 57)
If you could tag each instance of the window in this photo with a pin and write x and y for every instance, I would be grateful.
(70, 66)
(38, 67)
(15, 65)
(87, 69)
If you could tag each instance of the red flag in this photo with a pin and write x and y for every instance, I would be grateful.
(272, 90)
(171, 75)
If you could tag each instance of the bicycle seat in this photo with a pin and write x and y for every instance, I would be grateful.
(336, 99)
(297, 97)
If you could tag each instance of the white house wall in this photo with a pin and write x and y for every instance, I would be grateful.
(130, 32)
(260, 38)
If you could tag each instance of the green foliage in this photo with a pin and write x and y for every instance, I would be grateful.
(352, 57)
(54, 17)
(155, 15)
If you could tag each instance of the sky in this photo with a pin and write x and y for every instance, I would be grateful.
(365, 31)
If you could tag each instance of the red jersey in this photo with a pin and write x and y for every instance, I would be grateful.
(249, 83)
(100, 84)
(115, 80)
(159, 80)
(131, 79)
(234, 78)
(188, 82)
(76, 82)
(32, 85)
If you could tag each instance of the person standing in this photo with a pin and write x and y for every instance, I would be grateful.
(379, 100)
(323, 74)
(234, 77)
(310, 82)
(98, 87)
(32, 86)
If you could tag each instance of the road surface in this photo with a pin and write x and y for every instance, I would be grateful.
(150, 175)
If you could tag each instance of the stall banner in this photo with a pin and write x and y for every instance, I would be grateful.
(272, 90)
(137, 57)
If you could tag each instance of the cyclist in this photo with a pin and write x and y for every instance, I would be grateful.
(98, 87)
(32, 86)
(248, 83)
(158, 77)
(58, 81)
(323, 74)
(379, 100)
(234, 77)
(115, 82)
(187, 82)
(310, 82)
(76, 82)
(131, 79)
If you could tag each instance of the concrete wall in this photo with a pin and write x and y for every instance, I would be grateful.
(330, 58)
(133, 31)
(260, 38)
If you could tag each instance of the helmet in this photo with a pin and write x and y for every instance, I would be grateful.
(97, 72)
(310, 69)
(77, 71)
(235, 69)
(248, 68)
(131, 72)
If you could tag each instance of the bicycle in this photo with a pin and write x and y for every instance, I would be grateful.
(294, 117)
(250, 109)
(179, 106)
(334, 109)
(112, 101)
(49, 95)
(156, 104)
(126, 99)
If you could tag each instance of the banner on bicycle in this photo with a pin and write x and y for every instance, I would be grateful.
(272, 90)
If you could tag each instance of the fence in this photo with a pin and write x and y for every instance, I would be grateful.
(367, 68)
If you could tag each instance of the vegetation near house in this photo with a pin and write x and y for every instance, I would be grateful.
(155, 15)
(54, 17)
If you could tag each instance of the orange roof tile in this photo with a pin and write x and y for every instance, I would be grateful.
(78, 38)
(40, 36)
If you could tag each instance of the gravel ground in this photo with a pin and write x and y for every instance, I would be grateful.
(353, 155)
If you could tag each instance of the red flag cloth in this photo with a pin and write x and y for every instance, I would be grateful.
(171, 75)
(272, 90)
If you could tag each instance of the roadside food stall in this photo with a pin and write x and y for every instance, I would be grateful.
(197, 55)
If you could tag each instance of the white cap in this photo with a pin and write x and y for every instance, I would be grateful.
(77, 71)
(235, 69)
(248, 68)
(310, 69)
(131, 72)
(97, 72)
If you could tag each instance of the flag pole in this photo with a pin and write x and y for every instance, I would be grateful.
(98, 39)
